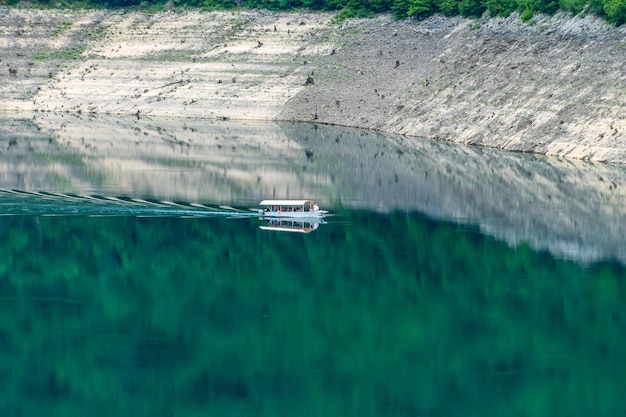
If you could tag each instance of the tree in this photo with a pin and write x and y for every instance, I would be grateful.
(573, 6)
(378, 6)
(547, 6)
(449, 7)
(615, 11)
(420, 8)
(502, 7)
(472, 8)
(400, 9)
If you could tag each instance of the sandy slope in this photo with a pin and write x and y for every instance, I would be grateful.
(556, 86)
(190, 64)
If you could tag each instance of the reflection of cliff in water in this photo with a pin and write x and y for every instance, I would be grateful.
(186, 160)
(571, 208)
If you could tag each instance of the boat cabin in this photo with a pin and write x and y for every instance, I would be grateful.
(290, 208)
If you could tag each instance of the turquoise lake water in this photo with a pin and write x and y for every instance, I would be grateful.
(448, 281)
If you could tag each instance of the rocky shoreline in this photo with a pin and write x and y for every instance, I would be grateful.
(555, 85)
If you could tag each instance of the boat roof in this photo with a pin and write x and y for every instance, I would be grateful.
(284, 202)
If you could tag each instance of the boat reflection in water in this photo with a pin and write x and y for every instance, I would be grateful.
(291, 225)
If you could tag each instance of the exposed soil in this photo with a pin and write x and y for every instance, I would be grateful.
(554, 86)
(557, 87)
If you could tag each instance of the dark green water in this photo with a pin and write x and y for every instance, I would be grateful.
(370, 315)
(449, 281)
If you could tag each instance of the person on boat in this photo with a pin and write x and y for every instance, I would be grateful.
(316, 207)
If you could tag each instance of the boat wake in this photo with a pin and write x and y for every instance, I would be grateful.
(19, 202)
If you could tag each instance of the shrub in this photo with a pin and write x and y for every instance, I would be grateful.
(527, 14)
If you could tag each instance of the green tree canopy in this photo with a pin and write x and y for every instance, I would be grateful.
(614, 11)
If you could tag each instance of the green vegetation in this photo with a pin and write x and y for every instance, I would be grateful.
(612, 10)
(66, 25)
(371, 315)
(61, 53)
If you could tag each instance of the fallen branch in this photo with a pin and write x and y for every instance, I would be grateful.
(175, 82)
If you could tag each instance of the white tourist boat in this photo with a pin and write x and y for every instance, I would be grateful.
(305, 209)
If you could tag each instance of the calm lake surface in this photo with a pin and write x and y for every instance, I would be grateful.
(448, 281)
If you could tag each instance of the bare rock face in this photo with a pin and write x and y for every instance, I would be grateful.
(556, 85)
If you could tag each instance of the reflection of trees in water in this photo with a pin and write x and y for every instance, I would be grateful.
(570, 208)
(383, 315)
